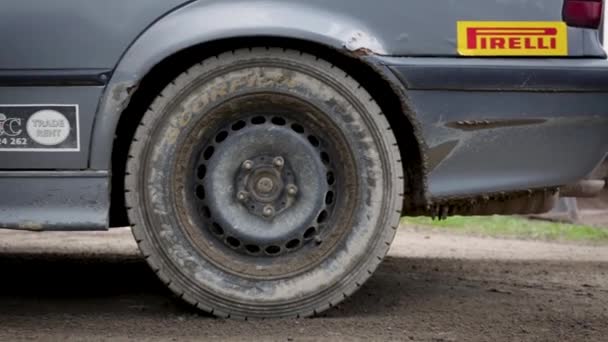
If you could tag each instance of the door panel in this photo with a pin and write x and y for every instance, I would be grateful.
(57, 56)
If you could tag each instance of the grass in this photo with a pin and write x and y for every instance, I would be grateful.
(513, 227)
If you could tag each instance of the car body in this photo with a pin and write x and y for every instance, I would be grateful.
(481, 131)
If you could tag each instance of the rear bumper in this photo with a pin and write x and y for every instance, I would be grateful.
(494, 125)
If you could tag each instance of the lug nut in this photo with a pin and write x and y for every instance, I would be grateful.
(279, 162)
(247, 165)
(242, 196)
(268, 211)
(292, 190)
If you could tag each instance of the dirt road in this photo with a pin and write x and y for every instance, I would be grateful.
(431, 288)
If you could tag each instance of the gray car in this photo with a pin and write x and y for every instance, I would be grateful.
(263, 152)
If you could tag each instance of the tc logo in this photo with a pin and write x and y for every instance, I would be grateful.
(10, 126)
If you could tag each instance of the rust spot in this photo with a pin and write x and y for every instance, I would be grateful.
(363, 44)
(132, 89)
(117, 93)
(362, 52)
(121, 95)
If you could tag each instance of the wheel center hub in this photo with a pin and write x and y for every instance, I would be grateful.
(266, 186)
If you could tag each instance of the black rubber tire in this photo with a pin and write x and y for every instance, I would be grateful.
(159, 229)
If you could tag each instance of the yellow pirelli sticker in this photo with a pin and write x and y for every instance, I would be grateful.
(512, 38)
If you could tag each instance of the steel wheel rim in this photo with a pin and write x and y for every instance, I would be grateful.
(240, 255)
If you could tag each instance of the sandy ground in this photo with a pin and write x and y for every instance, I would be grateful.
(591, 211)
(94, 286)
(594, 211)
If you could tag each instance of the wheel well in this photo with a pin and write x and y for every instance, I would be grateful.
(381, 90)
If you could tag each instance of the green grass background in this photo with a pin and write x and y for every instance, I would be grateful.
(512, 227)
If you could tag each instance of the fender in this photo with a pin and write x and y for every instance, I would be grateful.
(202, 22)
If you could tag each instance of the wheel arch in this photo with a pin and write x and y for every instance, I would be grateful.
(164, 51)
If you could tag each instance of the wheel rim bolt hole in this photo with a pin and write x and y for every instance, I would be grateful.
(258, 120)
(322, 217)
(325, 158)
(208, 152)
(200, 192)
(201, 171)
(278, 121)
(233, 242)
(272, 250)
(329, 198)
(237, 126)
(221, 136)
(206, 212)
(253, 249)
(217, 229)
(310, 233)
(330, 178)
(314, 141)
(295, 243)
(297, 128)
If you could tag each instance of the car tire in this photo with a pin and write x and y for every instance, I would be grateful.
(264, 183)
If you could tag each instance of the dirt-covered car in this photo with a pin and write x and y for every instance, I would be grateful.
(263, 152)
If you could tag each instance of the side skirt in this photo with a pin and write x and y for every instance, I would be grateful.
(54, 200)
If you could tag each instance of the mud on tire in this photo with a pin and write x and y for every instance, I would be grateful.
(264, 183)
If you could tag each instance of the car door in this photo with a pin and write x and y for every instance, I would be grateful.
(56, 58)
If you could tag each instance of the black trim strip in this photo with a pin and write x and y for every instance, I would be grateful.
(54, 77)
(533, 77)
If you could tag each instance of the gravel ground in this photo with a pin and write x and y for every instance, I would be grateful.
(432, 287)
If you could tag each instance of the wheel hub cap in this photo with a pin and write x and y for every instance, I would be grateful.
(265, 185)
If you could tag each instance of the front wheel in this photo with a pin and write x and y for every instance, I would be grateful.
(264, 183)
